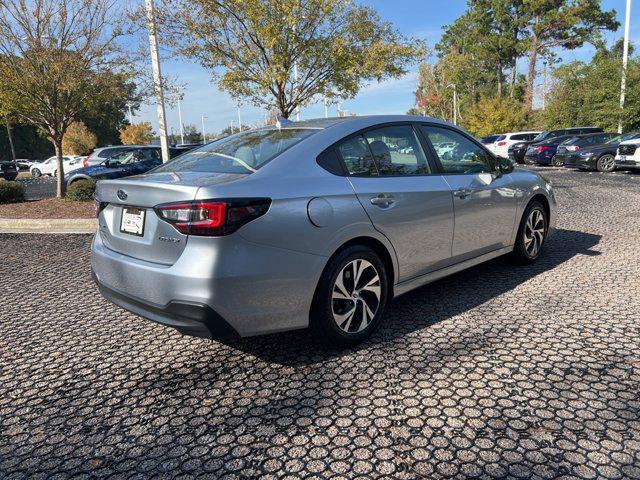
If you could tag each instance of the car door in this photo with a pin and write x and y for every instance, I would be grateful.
(406, 200)
(484, 200)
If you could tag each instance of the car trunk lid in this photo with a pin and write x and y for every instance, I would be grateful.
(128, 223)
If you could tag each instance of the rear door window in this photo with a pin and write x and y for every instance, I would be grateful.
(397, 151)
(357, 157)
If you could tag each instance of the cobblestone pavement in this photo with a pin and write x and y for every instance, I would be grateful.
(500, 371)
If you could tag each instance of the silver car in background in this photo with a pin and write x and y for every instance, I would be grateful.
(316, 223)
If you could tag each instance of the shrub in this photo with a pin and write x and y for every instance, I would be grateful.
(11, 192)
(81, 190)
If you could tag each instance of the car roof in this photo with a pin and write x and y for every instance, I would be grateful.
(325, 123)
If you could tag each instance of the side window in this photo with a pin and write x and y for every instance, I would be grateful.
(519, 137)
(457, 153)
(396, 151)
(357, 158)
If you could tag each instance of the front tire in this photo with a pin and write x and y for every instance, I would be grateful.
(555, 162)
(36, 173)
(606, 163)
(351, 297)
(532, 233)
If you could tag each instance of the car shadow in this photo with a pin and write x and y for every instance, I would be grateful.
(427, 305)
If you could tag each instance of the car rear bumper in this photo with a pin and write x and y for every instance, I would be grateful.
(218, 287)
(576, 161)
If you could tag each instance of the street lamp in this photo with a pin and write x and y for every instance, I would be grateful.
(625, 56)
(180, 119)
(455, 103)
(204, 136)
(129, 105)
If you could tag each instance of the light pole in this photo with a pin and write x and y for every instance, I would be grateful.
(544, 86)
(130, 113)
(455, 103)
(157, 80)
(326, 111)
(181, 125)
(625, 57)
(204, 136)
(239, 120)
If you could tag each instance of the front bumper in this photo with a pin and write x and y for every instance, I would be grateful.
(219, 286)
(628, 164)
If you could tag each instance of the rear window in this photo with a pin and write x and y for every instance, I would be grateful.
(243, 152)
(570, 141)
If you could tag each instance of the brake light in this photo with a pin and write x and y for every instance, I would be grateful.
(212, 217)
(85, 162)
(541, 148)
(502, 144)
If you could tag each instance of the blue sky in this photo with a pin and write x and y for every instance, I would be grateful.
(417, 18)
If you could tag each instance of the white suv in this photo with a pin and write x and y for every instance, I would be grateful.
(628, 155)
(500, 147)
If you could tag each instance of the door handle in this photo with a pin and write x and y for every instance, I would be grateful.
(383, 200)
(462, 193)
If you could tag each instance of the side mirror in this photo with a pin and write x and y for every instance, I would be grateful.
(505, 165)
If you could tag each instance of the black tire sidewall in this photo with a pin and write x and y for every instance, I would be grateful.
(36, 173)
(322, 320)
(519, 251)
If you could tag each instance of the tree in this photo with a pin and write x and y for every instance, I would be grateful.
(192, 134)
(494, 115)
(253, 47)
(589, 93)
(78, 140)
(8, 115)
(54, 55)
(137, 134)
(567, 24)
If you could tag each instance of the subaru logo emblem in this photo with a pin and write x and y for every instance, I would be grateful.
(122, 195)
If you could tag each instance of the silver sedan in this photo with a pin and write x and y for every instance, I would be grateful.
(316, 223)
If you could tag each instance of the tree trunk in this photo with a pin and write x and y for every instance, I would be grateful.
(60, 186)
(10, 135)
(531, 78)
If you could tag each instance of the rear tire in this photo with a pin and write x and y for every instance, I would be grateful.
(532, 234)
(350, 298)
(555, 162)
(606, 163)
(36, 173)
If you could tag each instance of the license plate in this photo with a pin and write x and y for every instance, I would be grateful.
(623, 157)
(132, 221)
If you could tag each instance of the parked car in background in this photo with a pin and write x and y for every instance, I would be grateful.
(185, 147)
(101, 154)
(8, 170)
(500, 147)
(598, 157)
(628, 155)
(517, 151)
(318, 223)
(574, 144)
(23, 163)
(489, 139)
(544, 153)
(131, 161)
(49, 166)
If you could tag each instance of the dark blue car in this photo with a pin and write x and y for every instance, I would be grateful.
(132, 161)
(544, 153)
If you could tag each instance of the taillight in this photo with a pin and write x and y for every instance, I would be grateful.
(502, 144)
(212, 217)
(541, 148)
(85, 162)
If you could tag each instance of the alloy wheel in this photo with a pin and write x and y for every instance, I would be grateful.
(35, 173)
(534, 232)
(555, 162)
(606, 163)
(355, 296)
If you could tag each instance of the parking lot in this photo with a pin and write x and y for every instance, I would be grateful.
(500, 371)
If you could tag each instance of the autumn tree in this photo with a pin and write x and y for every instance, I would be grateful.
(495, 114)
(54, 55)
(253, 47)
(8, 114)
(137, 134)
(79, 140)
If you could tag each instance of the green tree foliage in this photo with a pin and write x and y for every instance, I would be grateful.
(494, 115)
(589, 93)
(252, 47)
(55, 56)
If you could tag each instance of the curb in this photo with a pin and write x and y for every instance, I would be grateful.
(49, 225)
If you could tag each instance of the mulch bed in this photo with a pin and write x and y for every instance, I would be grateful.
(48, 208)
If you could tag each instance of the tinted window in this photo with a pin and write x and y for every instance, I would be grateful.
(456, 152)
(243, 152)
(147, 154)
(396, 151)
(520, 136)
(357, 157)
